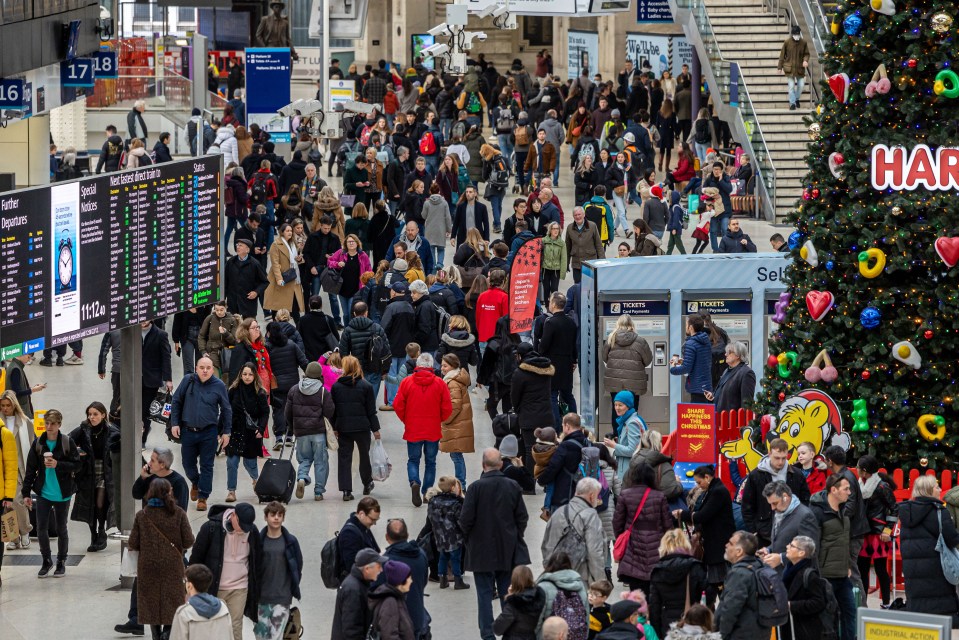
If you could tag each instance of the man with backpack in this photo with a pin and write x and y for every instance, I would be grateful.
(428, 326)
(835, 563)
(577, 531)
(738, 612)
(399, 323)
(812, 605)
(264, 190)
(366, 341)
(563, 468)
(430, 146)
(599, 212)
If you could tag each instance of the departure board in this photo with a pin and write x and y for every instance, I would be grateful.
(84, 257)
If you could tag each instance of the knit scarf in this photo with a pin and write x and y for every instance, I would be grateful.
(869, 486)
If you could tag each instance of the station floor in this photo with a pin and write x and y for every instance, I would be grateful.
(87, 603)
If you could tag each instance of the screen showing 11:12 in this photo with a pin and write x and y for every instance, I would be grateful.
(84, 257)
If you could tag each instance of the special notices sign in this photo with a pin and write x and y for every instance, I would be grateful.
(696, 433)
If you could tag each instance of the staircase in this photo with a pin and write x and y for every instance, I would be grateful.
(745, 32)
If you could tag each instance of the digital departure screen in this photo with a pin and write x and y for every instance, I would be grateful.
(92, 255)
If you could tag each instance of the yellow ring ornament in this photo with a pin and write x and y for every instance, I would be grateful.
(878, 259)
(923, 423)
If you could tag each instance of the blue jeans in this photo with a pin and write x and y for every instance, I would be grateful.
(345, 305)
(620, 206)
(505, 145)
(717, 229)
(391, 388)
(555, 173)
(521, 178)
(202, 445)
(701, 152)
(445, 125)
(311, 450)
(567, 396)
(842, 587)
(453, 557)
(659, 234)
(497, 203)
(269, 221)
(413, 451)
(486, 581)
(439, 254)
(795, 88)
(231, 225)
(233, 465)
(432, 163)
(459, 467)
(374, 379)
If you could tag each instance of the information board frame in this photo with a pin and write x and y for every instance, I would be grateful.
(154, 231)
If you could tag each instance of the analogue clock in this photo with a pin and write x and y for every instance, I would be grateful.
(65, 263)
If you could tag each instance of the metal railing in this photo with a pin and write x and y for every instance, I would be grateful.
(754, 141)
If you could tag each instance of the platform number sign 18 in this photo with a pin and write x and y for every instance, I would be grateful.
(105, 65)
(12, 93)
(77, 72)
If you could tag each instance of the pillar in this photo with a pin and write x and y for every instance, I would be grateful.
(25, 151)
(696, 71)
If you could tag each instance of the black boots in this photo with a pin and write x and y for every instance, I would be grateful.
(98, 540)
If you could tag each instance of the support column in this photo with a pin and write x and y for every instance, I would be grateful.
(131, 373)
(697, 72)
(25, 151)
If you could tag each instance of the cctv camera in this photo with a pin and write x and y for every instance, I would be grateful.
(488, 11)
(437, 49)
(481, 36)
(499, 10)
(439, 29)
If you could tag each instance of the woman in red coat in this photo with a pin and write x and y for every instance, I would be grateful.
(813, 469)
(686, 168)
(642, 552)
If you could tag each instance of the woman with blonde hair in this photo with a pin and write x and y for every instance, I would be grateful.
(703, 135)
(413, 201)
(137, 155)
(471, 256)
(496, 176)
(677, 578)
(650, 453)
(414, 269)
(354, 423)
(457, 429)
(16, 438)
(283, 272)
(327, 204)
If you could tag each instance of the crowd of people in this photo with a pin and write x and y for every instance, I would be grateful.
(356, 291)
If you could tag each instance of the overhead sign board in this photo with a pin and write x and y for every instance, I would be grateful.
(268, 72)
(77, 72)
(13, 94)
(88, 256)
(528, 7)
(105, 65)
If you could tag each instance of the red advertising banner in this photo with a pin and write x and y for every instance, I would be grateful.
(696, 433)
(524, 285)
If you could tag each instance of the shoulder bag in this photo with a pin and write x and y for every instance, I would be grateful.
(947, 555)
(332, 443)
(622, 540)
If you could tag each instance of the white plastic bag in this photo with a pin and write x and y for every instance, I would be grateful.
(380, 462)
(128, 562)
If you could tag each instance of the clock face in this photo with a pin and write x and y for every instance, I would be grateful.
(65, 266)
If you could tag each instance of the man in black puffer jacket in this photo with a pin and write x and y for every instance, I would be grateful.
(318, 330)
(355, 342)
(426, 317)
(529, 395)
(352, 614)
(399, 323)
(307, 404)
(212, 548)
(562, 466)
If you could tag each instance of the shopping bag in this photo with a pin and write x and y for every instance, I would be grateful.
(380, 462)
(128, 562)
(9, 527)
(693, 203)
(160, 407)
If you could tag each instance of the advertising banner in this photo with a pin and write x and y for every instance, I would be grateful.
(696, 433)
(524, 285)
(421, 41)
(582, 47)
(268, 72)
(662, 52)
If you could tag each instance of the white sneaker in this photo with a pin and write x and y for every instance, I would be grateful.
(74, 359)
(25, 541)
(11, 546)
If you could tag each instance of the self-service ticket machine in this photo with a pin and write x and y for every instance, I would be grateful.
(736, 289)
(650, 315)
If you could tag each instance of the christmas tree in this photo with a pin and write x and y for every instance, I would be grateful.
(874, 283)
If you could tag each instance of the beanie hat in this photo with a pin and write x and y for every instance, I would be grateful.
(396, 572)
(195, 111)
(314, 370)
(400, 264)
(615, 113)
(509, 447)
(629, 137)
(625, 397)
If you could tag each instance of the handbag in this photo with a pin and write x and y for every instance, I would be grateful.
(331, 281)
(577, 131)
(347, 201)
(289, 275)
(948, 556)
(294, 627)
(695, 541)
(622, 540)
(332, 442)
(128, 563)
(620, 190)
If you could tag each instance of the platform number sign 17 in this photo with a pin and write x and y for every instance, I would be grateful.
(77, 72)
(105, 65)
(12, 93)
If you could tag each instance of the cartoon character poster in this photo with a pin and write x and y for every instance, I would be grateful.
(809, 416)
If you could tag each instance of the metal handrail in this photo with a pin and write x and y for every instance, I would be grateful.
(757, 148)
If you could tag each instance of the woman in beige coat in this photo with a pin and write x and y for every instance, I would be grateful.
(458, 428)
(284, 258)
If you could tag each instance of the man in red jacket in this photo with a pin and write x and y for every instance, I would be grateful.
(491, 305)
(422, 404)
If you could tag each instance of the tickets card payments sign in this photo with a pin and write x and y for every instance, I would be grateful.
(84, 257)
(696, 433)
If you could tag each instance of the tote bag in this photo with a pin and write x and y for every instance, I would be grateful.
(947, 555)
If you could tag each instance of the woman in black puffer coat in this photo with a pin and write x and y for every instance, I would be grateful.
(459, 341)
(712, 516)
(677, 579)
(522, 609)
(529, 395)
(642, 552)
(247, 398)
(285, 357)
(927, 590)
(354, 422)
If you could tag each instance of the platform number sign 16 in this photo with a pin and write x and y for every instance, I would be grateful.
(77, 72)
(12, 93)
(105, 65)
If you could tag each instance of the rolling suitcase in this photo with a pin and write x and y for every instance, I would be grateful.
(277, 479)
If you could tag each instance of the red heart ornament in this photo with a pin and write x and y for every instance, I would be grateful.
(839, 84)
(819, 303)
(948, 250)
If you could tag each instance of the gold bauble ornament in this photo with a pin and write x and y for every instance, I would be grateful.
(941, 22)
(814, 130)
(897, 211)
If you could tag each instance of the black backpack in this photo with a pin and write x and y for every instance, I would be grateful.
(702, 131)
(259, 190)
(772, 599)
(829, 616)
(331, 566)
(378, 354)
